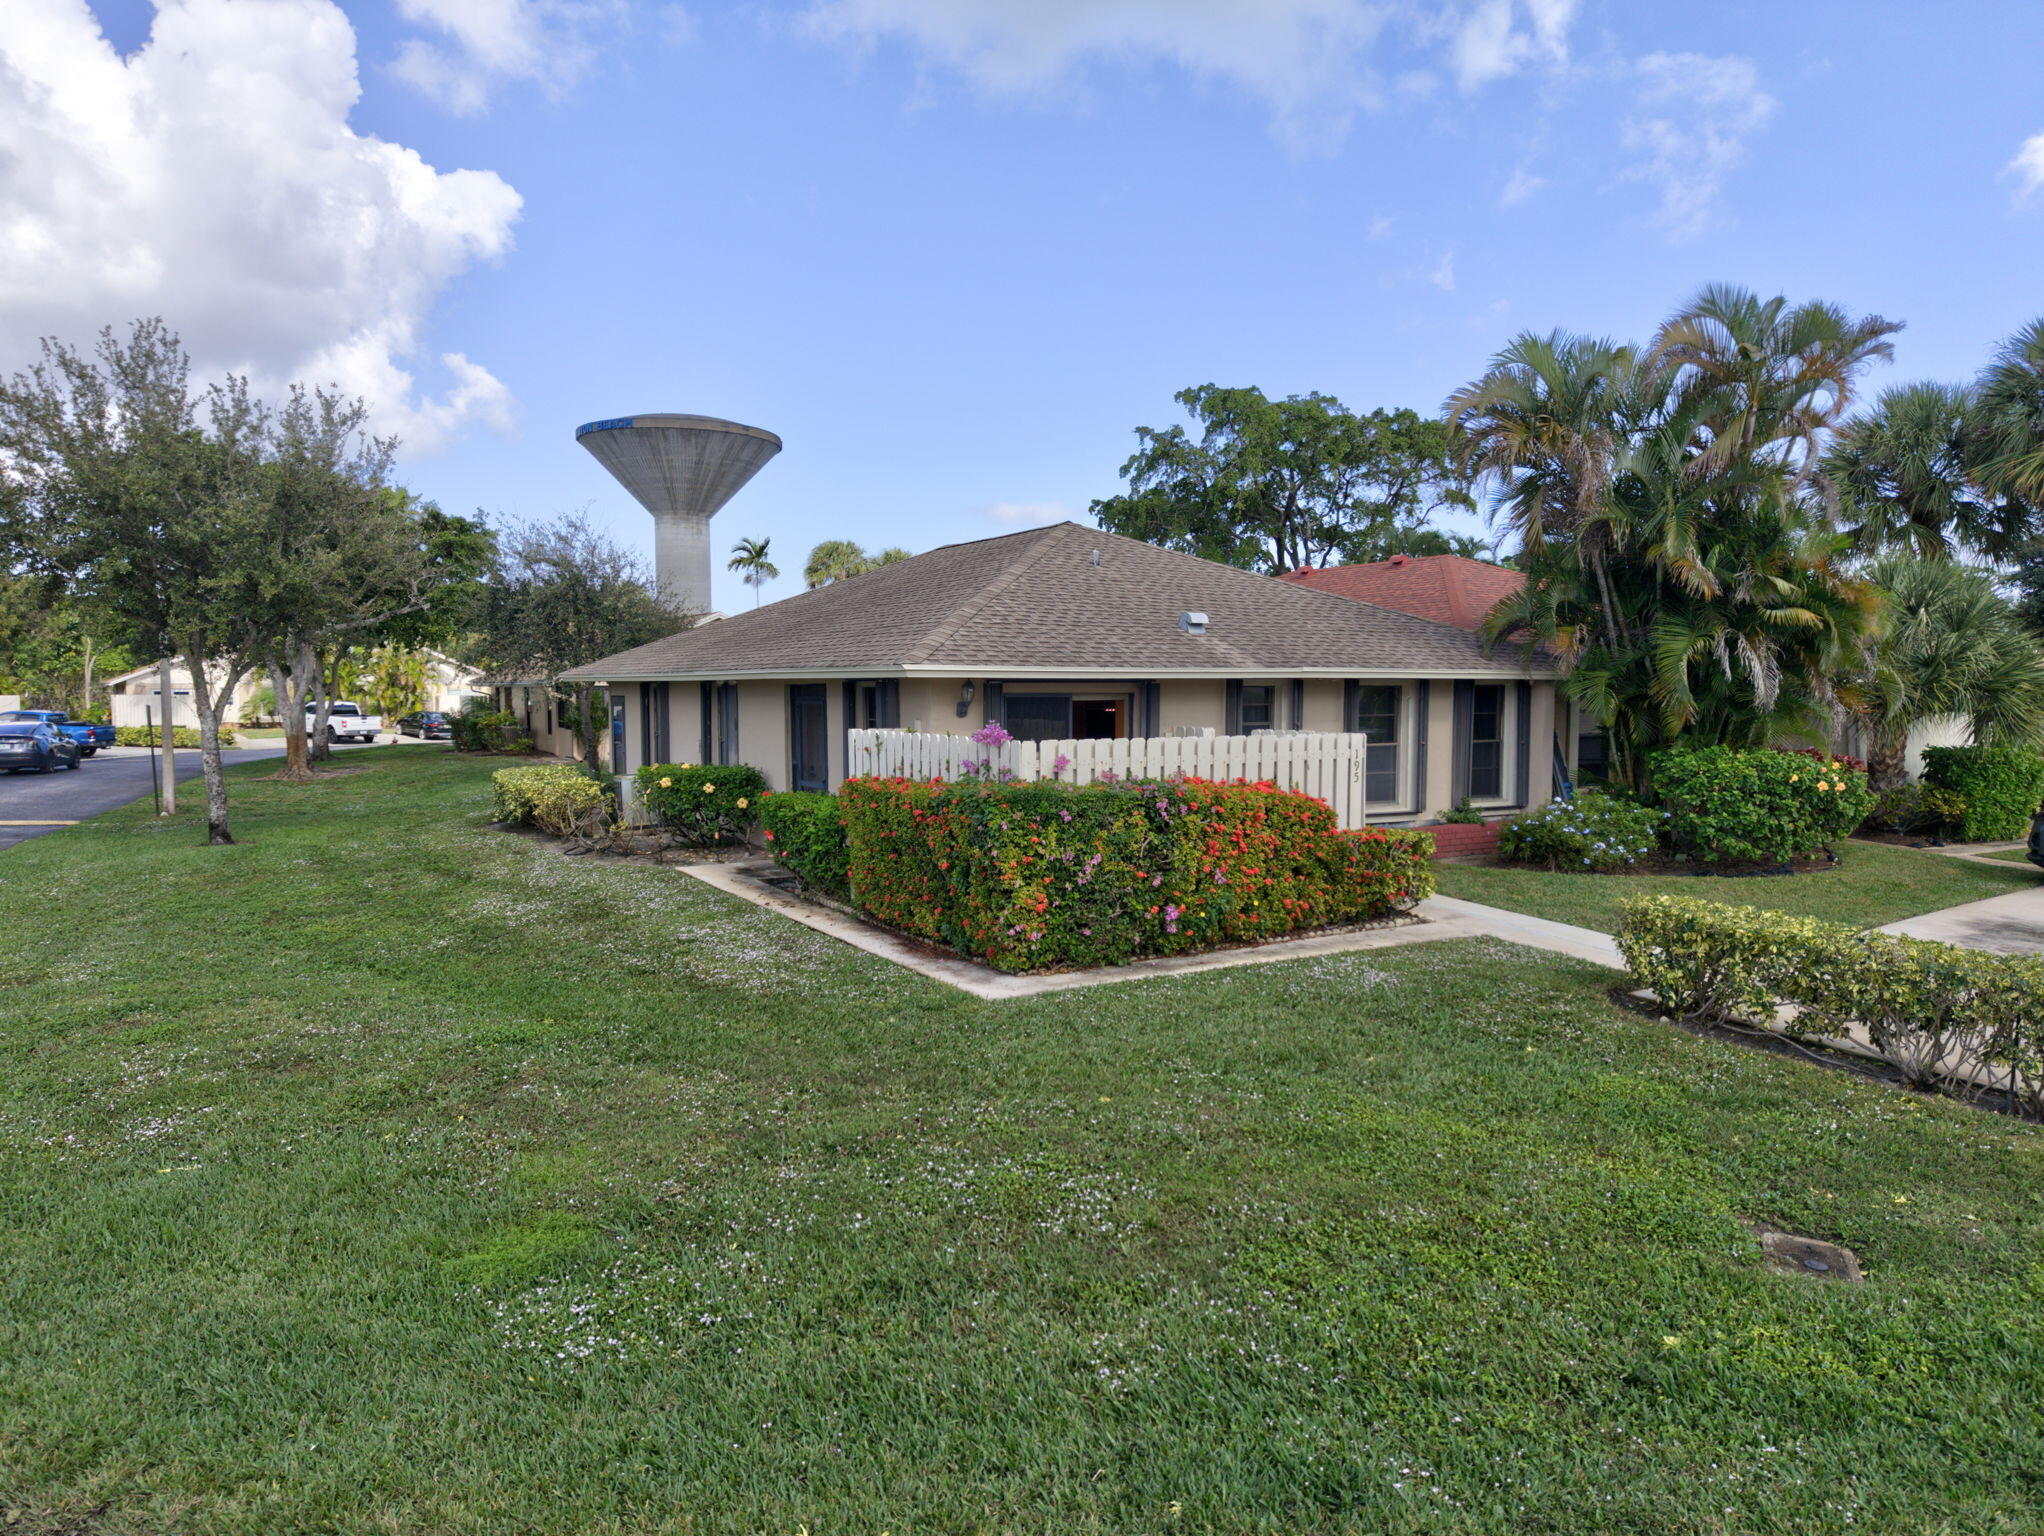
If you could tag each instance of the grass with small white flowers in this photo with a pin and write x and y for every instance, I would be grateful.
(384, 1172)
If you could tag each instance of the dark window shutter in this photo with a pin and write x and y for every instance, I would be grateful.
(661, 721)
(995, 700)
(1465, 727)
(1419, 745)
(1525, 724)
(890, 703)
(1351, 703)
(707, 752)
(849, 695)
(1298, 720)
(1233, 723)
(1152, 710)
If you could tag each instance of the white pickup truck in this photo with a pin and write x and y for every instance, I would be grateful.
(346, 722)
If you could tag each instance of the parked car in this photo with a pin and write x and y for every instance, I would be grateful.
(35, 746)
(427, 725)
(90, 738)
(2037, 841)
(346, 722)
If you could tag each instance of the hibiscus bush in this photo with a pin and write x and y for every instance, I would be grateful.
(1727, 804)
(704, 806)
(1036, 876)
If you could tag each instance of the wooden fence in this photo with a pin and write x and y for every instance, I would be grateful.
(1326, 765)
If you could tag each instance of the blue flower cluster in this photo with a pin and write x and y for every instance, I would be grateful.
(1591, 832)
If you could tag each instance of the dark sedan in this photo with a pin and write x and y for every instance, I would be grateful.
(35, 747)
(2037, 842)
(427, 725)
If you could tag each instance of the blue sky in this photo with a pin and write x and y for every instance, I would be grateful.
(953, 251)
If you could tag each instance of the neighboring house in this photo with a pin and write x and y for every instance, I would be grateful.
(449, 683)
(1068, 632)
(532, 700)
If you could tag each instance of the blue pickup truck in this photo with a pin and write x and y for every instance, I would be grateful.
(90, 738)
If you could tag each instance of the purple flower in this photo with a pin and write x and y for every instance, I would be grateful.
(992, 734)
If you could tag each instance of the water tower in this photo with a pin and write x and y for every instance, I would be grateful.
(682, 469)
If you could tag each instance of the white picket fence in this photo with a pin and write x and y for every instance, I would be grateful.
(1325, 764)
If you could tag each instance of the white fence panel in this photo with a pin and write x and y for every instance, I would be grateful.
(1325, 765)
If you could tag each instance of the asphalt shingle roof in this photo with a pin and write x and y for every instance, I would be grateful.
(1450, 589)
(1037, 601)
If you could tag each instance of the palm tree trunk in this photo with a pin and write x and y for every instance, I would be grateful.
(1887, 756)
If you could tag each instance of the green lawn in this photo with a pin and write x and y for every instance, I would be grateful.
(1874, 883)
(384, 1173)
(2012, 856)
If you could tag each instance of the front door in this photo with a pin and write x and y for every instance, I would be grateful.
(809, 735)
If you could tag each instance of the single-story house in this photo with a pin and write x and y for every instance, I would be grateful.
(449, 683)
(1069, 632)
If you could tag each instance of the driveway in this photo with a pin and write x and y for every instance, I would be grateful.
(112, 778)
(2009, 924)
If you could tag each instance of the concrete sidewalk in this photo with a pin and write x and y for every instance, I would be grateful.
(1522, 928)
(2009, 924)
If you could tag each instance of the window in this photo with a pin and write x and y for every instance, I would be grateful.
(1377, 710)
(1259, 707)
(1487, 742)
(1039, 716)
(866, 707)
(1593, 752)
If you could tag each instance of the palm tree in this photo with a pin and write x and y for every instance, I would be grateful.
(1946, 644)
(749, 557)
(835, 560)
(2009, 447)
(893, 554)
(1902, 477)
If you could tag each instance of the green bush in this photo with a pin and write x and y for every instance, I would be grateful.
(704, 806)
(1726, 804)
(2001, 787)
(1915, 808)
(479, 728)
(180, 736)
(806, 833)
(555, 797)
(1036, 876)
(1594, 831)
(1918, 1001)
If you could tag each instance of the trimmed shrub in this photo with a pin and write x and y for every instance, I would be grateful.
(478, 728)
(1034, 876)
(180, 736)
(806, 833)
(704, 806)
(1919, 1002)
(1726, 804)
(1915, 808)
(1594, 831)
(551, 796)
(2001, 786)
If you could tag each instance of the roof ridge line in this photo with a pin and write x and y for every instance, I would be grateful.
(948, 626)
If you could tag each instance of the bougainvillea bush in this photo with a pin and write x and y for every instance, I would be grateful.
(1728, 805)
(704, 805)
(1040, 876)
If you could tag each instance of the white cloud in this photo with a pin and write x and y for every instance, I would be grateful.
(1031, 514)
(1310, 62)
(1443, 274)
(1522, 186)
(2028, 168)
(211, 177)
(485, 43)
(1697, 113)
(1498, 38)
(1380, 226)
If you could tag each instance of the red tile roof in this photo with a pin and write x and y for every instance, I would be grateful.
(1449, 589)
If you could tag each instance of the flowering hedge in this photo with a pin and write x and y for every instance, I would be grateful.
(1726, 804)
(1042, 876)
(705, 806)
(805, 832)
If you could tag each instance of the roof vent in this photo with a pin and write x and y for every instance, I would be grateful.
(1096, 557)
(1194, 623)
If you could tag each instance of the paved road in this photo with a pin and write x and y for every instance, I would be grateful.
(110, 779)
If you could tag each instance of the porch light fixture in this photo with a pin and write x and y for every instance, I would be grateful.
(964, 698)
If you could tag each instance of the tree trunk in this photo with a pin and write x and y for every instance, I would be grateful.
(1887, 756)
(585, 724)
(293, 687)
(326, 681)
(209, 703)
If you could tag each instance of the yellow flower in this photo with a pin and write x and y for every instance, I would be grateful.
(686, 766)
(1671, 1341)
(743, 802)
(1794, 777)
(667, 783)
(709, 789)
